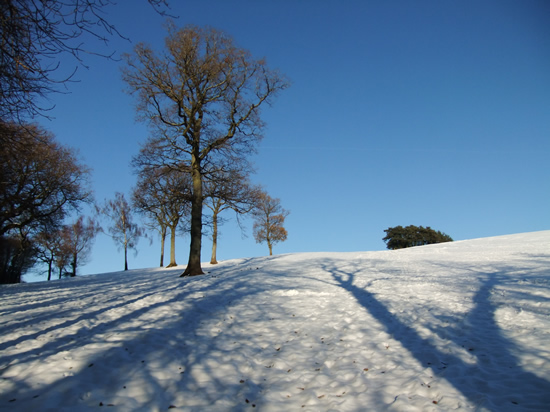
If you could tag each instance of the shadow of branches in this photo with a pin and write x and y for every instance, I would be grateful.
(485, 368)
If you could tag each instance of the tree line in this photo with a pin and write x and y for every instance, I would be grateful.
(201, 98)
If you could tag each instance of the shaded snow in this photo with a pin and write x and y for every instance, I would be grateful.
(457, 326)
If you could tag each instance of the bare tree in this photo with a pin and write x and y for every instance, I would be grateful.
(40, 182)
(33, 36)
(228, 191)
(48, 244)
(124, 231)
(163, 195)
(204, 94)
(63, 258)
(269, 221)
(76, 243)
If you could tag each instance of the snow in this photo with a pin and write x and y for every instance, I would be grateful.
(458, 326)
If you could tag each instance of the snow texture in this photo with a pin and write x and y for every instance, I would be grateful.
(460, 326)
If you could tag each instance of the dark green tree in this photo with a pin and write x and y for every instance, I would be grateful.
(400, 237)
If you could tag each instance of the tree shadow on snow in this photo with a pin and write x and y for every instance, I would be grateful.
(140, 370)
(495, 380)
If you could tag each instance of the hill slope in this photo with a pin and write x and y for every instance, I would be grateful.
(454, 326)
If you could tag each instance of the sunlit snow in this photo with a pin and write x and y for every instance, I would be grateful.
(456, 326)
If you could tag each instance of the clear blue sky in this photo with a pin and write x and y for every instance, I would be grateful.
(433, 113)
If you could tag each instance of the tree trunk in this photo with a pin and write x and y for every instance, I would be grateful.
(172, 247)
(213, 260)
(194, 264)
(50, 269)
(125, 257)
(162, 239)
(270, 248)
(74, 265)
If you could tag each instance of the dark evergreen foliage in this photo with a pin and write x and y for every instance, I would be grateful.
(400, 237)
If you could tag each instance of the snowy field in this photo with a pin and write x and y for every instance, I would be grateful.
(457, 326)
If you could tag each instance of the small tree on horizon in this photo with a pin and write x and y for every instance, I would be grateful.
(123, 230)
(269, 218)
(76, 243)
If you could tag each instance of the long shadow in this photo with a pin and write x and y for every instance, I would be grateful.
(117, 303)
(72, 294)
(136, 355)
(482, 382)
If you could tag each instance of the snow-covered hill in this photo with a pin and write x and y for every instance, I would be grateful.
(454, 326)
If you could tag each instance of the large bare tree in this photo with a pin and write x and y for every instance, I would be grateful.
(204, 94)
(33, 36)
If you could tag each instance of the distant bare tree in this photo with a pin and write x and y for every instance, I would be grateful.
(269, 221)
(76, 242)
(122, 228)
(228, 191)
(48, 244)
(204, 94)
(33, 36)
(163, 195)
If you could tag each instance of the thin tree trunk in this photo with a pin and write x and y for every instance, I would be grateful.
(125, 251)
(162, 240)
(213, 260)
(172, 247)
(194, 264)
(270, 248)
(74, 265)
(50, 270)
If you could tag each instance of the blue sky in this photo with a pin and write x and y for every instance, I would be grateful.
(433, 113)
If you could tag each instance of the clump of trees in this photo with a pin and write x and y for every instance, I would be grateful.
(400, 237)
(201, 97)
(269, 222)
(41, 183)
(163, 196)
(230, 190)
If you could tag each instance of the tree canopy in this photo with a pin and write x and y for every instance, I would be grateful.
(400, 237)
(41, 182)
(269, 220)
